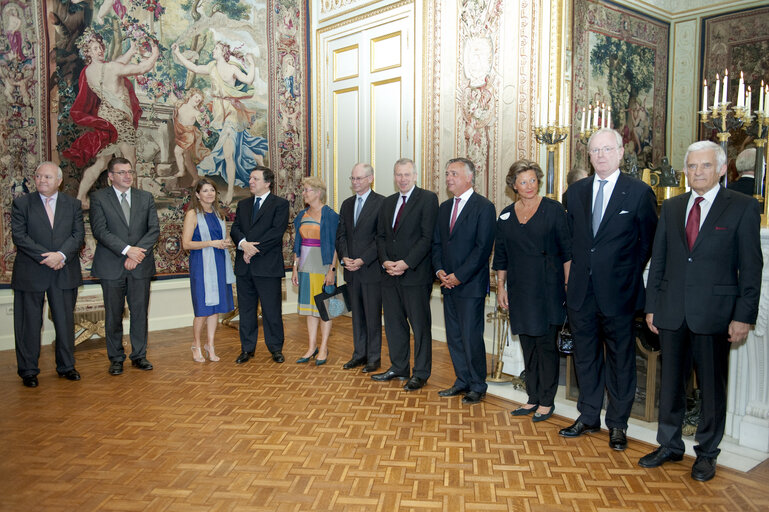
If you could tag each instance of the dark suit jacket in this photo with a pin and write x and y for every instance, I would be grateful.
(268, 229)
(616, 256)
(113, 234)
(413, 239)
(360, 241)
(746, 185)
(719, 279)
(33, 236)
(465, 252)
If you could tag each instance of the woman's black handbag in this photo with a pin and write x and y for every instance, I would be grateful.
(333, 302)
(565, 340)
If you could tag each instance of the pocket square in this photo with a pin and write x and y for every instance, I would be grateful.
(720, 228)
(623, 212)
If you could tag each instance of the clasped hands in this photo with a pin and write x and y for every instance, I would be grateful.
(53, 260)
(448, 281)
(352, 264)
(395, 268)
(134, 256)
(249, 250)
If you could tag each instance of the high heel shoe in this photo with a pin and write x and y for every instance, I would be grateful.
(210, 351)
(307, 359)
(319, 362)
(198, 358)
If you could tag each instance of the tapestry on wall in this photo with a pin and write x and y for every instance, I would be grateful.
(183, 89)
(737, 41)
(620, 59)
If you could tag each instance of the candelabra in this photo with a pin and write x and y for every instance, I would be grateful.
(551, 135)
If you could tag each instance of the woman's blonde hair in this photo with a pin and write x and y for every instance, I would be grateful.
(316, 183)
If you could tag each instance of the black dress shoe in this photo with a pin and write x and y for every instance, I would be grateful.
(116, 368)
(141, 363)
(617, 439)
(577, 429)
(353, 363)
(704, 468)
(658, 457)
(538, 416)
(278, 357)
(472, 397)
(414, 383)
(70, 374)
(388, 375)
(243, 357)
(370, 368)
(29, 381)
(522, 411)
(452, 391)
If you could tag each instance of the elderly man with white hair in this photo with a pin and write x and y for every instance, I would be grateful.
(745, 164)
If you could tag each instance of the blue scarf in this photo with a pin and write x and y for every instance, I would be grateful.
(209, 263)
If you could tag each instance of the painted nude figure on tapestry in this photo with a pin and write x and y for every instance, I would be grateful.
(189, 149)
(237, 151)
(107, 104)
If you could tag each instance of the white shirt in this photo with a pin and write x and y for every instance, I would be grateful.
(120, 200)
(364, 197)
(400, 204)
(463, 198)
(611, 181)
(261, 203)
(707, 201)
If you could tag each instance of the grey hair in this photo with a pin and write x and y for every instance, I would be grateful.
(59, 174)
(469, 166)
(746, 161)
(706, 144)
(614, 132)
(366, 167)
(404, 161)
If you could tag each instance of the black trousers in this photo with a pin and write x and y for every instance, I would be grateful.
(541, 360)
(28, 320)
(710, 355)
(598, 337)
(464, 336)
(366, 299)
(115, 293)
(251, 291)
(404, 306)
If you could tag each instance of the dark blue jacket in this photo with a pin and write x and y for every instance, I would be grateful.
(329, 222)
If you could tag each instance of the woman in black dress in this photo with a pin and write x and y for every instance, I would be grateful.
(532, 258)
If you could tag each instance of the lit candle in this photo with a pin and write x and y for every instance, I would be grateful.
(595, 116)
(582, 124)
(705, 95)
(718, 89)
(726, 86)
(749, 100)
(603, 115)
(608, 122)
(741, 92)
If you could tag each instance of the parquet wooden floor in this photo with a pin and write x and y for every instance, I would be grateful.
(264, 436)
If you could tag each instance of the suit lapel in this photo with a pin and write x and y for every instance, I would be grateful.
(408, 206)
(116, 205)
(366, 207)
(262, 206)
(587, 198)
(464, 214)
(679, 216)
(718, 207)
(136, 207)
(39, 210)
(616, 200)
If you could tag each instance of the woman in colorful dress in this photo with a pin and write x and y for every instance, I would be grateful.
(211, 275)
(314, 262)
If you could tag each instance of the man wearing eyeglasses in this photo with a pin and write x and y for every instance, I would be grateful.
(356, 247)
(612, 219)
(125, 225)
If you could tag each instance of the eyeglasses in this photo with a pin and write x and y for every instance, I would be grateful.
(359, 179)
(605, 149)
(122, 173)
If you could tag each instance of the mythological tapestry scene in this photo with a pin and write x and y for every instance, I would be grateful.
(181, 88)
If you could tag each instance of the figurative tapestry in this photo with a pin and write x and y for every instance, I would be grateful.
(620, 60)
(181, 88)
(737, 41)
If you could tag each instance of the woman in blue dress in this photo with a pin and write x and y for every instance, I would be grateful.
(211, 274)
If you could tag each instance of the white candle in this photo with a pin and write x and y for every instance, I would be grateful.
(749, 100)
(595, 116)
(608, 122)
(761, 97)
(724, 94)
(741, 92)
(704, 95)
(766, 101)
(582, 123)
(718, 89)
(603, 115)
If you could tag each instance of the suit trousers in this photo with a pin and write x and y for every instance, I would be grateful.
(28, 320)
(115, 292)
(710, 354)
(404, 305)
(542, 361)
(604, 358)
(464, 337)
(366, 299)
(251, 291)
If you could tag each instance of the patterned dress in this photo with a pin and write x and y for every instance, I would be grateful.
(312, 271)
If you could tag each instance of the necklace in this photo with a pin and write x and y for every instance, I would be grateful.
(528, 211)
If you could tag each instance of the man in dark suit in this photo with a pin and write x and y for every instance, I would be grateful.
(462, 243)
(124, 223)
(745, 163)
(356, 248)
(47, 229)
(258, 229)
(404, 242)
(702, 294)
(612, 219)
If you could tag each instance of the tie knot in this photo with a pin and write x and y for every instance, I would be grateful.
(48, 200)
(457, 200)
(602, 182)
(123, 195)
(698, 200)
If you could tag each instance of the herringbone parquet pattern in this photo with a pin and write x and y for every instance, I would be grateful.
(263, 436)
